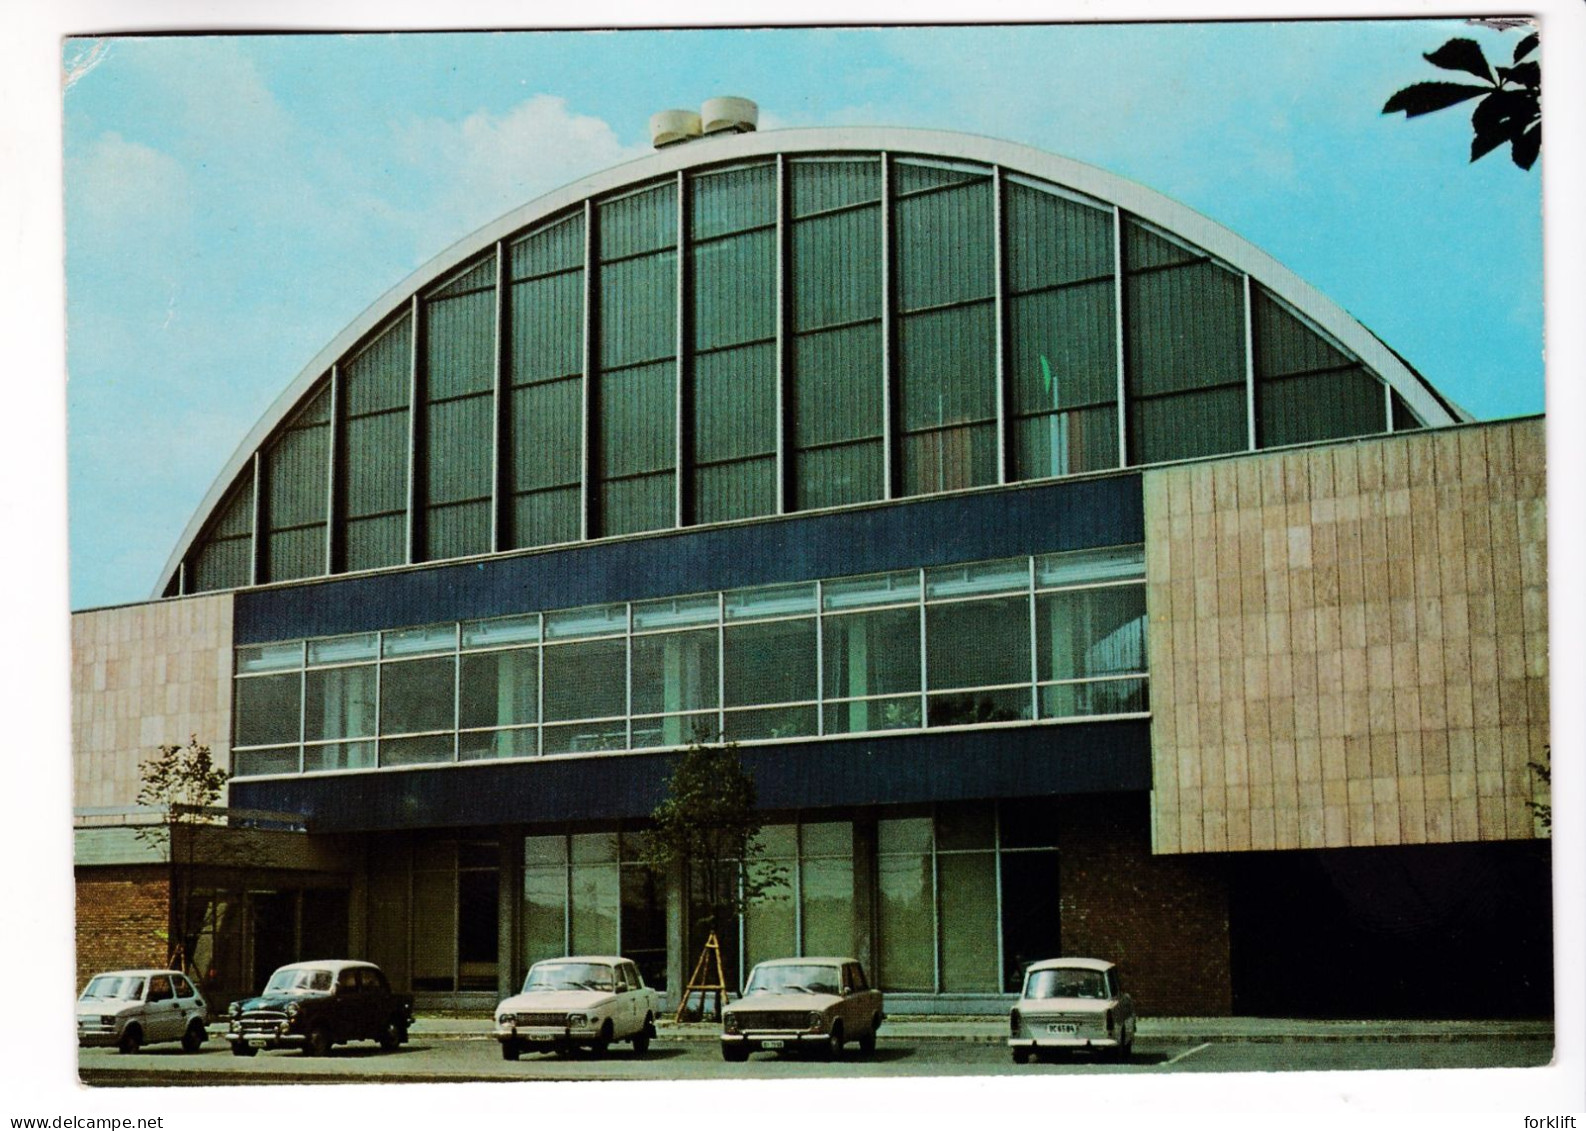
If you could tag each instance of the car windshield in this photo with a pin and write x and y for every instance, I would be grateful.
(569, 976)
(113, 986)
(299, 982)
(1066, 983)
(807, 978)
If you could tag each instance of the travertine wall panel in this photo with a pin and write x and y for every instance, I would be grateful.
(144, 675)
(1349, 642)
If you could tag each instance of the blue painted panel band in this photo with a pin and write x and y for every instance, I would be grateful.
(1105, 511)
(1031, 761)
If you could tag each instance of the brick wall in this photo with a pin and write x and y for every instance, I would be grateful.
(1349, 642)
(122, 914)
(1162, 919)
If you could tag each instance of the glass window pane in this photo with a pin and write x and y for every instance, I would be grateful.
(770, 601)
(1065, 443)
(638, 310)
(676, 612)
(544, 850)
(827, 838)
(966, 825)
(905, 835)
(343, 649)
(256, 763)
(875, 653)
(339, 756)
(769, 723)
(652, 731)
(968, 892)
(876, 589)
(947, 366)
(267, 709)
(629, 506)
(501, 630)
(1052, 240)
(500, 688)
(584, 738)
(270, 657)
(773, 662)
(906, 922)
(836, 268)
(434, 930)
(523, 742)
(855, 716)
(1065, 348)
(547, 336)
(674, 672)
(731, 200)
(638, 420)
(734, 290)
(1082, 567)
(1090, 632)
(640, 221)
(593, 620)
(977, 578)
(586, 681)
(1099, 697)
(1320, 406)
(735, 403)
(944, 246)
(416, 751)
(597, 895)
(817, 184)
(974, 708)
(836, 385)
(1188, 425)
(594, 848)
(949, 459)
(837, 476)
(770, 926)
(417, 641)
(339, 703)
(418, 695)
(544, 910)
(827, 895)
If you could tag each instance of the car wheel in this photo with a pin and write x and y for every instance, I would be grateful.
(131, 1040)
(1021, 1056)
(391, 1036)
(834, 1042)
(240, 1048)
(602, 1042)
(196, 1035)
(510, 1050)
(641, 1039)
(737, 1053)
(319, 1041)
(867, 1043)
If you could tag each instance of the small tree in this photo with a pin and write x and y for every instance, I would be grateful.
(707, 827)
(184, 784)
(1543, 810)
(1510, 109)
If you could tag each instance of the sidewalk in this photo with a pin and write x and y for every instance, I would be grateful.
(1196, 1030)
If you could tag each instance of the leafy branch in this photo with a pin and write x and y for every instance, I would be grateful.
(1510, 110)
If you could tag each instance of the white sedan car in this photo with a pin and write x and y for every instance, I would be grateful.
(587, 1001)
(133, 1008)
(1071, 1003)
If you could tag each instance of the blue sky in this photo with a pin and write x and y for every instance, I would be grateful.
(233, 202)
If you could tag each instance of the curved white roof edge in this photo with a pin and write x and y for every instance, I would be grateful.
(1108, 188)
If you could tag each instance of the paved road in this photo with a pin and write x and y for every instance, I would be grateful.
(432, 1060)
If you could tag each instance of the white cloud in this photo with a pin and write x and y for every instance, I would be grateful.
(487, 164)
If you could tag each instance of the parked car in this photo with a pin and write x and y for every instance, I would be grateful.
(133, 1008)
(1071, 1003)
(588, 1001)
(314, 1006)
(802, 1003)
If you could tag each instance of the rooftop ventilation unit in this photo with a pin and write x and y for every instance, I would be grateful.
(729, 115)
(671, 127)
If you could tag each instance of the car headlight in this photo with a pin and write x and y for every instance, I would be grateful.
(729, 1023)
(1013, 1023)
(504, 1019)
(577, 1020)
(107, 1020)
(234, 1009)
(292, 1009)
(816, 1021)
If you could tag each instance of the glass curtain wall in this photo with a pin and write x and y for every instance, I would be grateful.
(1052, 637)
(295, 500)
(545, 376)
(836, 393)
(458, 379)
(733, 268)
(945, 245)
(636, 388)
(825, 310)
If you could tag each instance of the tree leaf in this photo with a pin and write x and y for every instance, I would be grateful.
(1528, 75)
(1461, 55)
(1525, 47)
(1425, 97)
(1486, 140)
(1527, 146)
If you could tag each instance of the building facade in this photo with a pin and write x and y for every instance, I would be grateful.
(1072, 577)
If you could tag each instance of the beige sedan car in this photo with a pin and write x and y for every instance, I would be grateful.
(1071, 1003)
(818, 1004)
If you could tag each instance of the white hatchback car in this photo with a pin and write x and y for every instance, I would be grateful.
(133, 1008)
(1071, 1003)
(586, 1001)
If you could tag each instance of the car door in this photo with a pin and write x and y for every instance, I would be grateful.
(162, 1014)
(189, 1003)
(348, 1006)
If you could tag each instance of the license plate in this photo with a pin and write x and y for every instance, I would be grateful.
(540, 1038)
(772, 1044)
(1060, 1030)
(257, 1042)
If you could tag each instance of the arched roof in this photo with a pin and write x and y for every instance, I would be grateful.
(1105, 188)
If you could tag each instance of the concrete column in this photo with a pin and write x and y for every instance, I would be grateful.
(509, 916)
(865, 890)
(679, 963)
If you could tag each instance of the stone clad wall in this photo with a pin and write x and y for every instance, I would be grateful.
(1349, 642)
(142, 676)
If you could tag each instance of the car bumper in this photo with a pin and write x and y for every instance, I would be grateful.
(754, 1041)
(1064, 1042)
(97, 1038)
(275, 1040)
(548, 1037)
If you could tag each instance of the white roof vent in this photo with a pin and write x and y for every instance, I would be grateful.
(670, 127)
(729, 115)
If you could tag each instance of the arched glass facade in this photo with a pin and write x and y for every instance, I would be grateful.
(783, 333)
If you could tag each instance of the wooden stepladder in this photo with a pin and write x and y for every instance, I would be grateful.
(700, 981)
